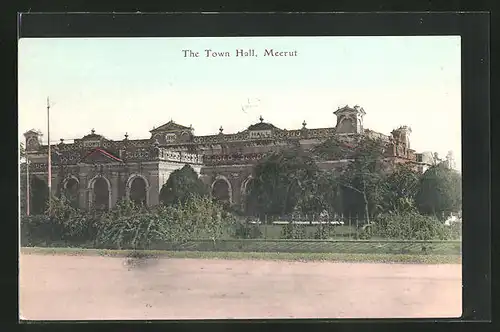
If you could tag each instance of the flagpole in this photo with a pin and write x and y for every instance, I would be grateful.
(49, 181)
(27, 186)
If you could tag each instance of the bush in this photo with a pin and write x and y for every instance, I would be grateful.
(409, 226)
(294, 231)
(135, 231)
(135, 227)
(324, 231)
(246, 230)
(61, 222)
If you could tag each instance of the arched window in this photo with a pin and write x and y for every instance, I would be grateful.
(101, 194)
(70, 191)
(221, 190)
(138, 190)
(39, 195)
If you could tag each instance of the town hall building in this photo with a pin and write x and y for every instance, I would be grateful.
(96, 172)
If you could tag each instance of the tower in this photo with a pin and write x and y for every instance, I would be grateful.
(349, 120)
(32, 138)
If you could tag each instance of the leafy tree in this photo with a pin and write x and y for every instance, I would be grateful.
(333, 148)
(22, 151)
(320, 194)
(280, 180)
(181, 186)
(402, 187)
(365, 173)
(440, 191)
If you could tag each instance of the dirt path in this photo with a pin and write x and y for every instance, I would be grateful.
(88, 288)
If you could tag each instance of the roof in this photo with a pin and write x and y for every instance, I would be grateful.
(171, 126)
(346, 109)
(262, 126)
(32, 131)
(99, 151)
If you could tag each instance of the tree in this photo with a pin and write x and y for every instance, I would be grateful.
(320, 194)
(279, 181)
(181, 186)
(440, 191)
(22, 152)
(402, 187)
(365, 172)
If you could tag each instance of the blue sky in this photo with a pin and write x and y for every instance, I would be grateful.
(131, 85)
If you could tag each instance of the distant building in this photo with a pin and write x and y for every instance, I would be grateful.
(98, 172)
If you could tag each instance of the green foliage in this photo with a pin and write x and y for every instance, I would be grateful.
(365, 175)
(135, 227)
(135, 231)
(409, 225)
(60, 222)
(22, 151)
(440, 192)
(181, 185)
(37, 229)
(402, 187)
(324, 231)
(294, 231)
(279, 181)
(246, 230)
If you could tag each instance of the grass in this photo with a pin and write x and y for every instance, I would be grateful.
(303, 257)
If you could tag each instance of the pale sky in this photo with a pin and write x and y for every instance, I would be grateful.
(118, 85)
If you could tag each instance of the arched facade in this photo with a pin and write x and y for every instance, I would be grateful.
(71, 190)
(132, 188)
(97, 193)
(244, 190)
(39, 195)
(220, 187)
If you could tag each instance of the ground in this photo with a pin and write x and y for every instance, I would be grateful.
(62, 287)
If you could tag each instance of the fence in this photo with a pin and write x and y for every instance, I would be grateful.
(318, 246)
(341, 227)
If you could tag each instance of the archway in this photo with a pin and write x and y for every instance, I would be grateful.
(221, 190)
(101, 194)
(246, 186)
(70, 191)
(138, 191)
(39, 195)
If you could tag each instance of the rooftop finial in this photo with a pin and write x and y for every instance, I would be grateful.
(304, 124)
(261, 118)
(62, 140)
(220, 130)
(92, 131)
(126, 135)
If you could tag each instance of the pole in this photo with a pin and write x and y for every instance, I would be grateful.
(49, 181)
(27, 186)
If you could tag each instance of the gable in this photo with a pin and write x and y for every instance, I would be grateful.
(170, 126)
(100, 156)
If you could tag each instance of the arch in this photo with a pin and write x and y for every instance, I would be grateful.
(39, 195)
(71, 189)
(244, 191)
(130, 182)
(218, 185)
(92, 188)
(68, 179)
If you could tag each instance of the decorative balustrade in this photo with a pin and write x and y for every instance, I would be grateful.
(230, 159)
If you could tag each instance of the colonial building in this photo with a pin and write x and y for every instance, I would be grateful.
(98, 172)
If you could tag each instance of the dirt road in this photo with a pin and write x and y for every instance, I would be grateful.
(90, 287)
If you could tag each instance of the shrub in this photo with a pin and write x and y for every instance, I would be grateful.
(293, 231)
(246, 230)
(134, 231)
(60, 222)
(38, 229)
(409, 225)
(135, 227)
(324, 231)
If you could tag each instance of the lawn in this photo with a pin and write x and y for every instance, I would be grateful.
(332, 257)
